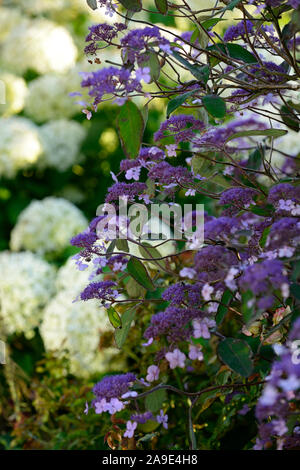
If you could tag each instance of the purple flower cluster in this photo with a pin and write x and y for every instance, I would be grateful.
(110, 80)
(126, 190)
(262, 279)
(114, 386)
(182, 127)
(173, 323)
(238, 30)
(274, 410)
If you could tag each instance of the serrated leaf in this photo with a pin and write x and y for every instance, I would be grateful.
(114, 318)
(92, 4)
(138, 271)
(264, 133)
(162, 6)
(122, 333)
(214, 105)
(130, 125)
(155, 400)
(223, 309)
(237, 355)
(178, 101)
(132, 5)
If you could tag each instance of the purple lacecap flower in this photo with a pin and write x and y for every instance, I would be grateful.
(179, 293)
(166, 174)
(213, 262)
(220, 228)
(238, 30)
(162, 419)
(283, 386)
(173, 323)
(284, 191)
(130, 428)
(284, 232)
(136, 43)
(256, 276)
(102, 32)
(142, 418)
(129, 190)
(176, 358)
(99, 290)
(201, 327)
(181, 126)
(215, 137)
(114, 386)
(152, 373)
(84, 240)
(195, 353)
(237, 199)
(110, 80)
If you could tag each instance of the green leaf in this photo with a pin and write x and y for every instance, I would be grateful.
(122, 245)
(155, 400)
(214, 105)
(92, 4)
(265, 133)
(131, 127)
(201, 73)
(295, 290)
(247, 306)
(223, 309)
(114, 318)
(210, 22)
(149, 251)
(138, 271)
(289, 118)
(235, 51)
(263, 238)
(255, 160)
(178, 101)
(132, 5)
(237, 355)
(231, 5)
(152, 61)
(265, 211)
(162, 6)
(122, 333)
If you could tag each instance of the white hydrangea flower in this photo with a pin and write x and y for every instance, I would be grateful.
(48, 97)
(9, 19)
(26, 286)
(46, 226)
(15, 92)
(20, 145)
(70, 278)
(76, 327)
(61, 142)
(40, 45)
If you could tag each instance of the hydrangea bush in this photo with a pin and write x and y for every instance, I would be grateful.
(216, 325)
